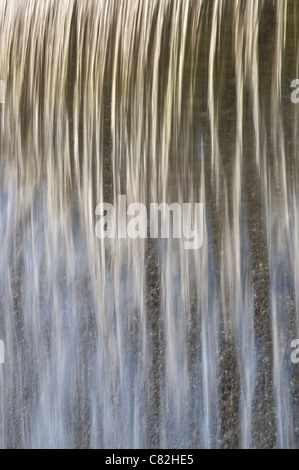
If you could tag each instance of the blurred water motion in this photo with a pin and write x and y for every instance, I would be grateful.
(141, 343)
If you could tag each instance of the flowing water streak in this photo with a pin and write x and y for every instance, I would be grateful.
(244, 327)
(117, 343)
(278, 234)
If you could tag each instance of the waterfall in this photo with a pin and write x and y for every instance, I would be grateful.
(142, 343)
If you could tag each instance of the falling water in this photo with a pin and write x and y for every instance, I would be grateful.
(141, 343)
